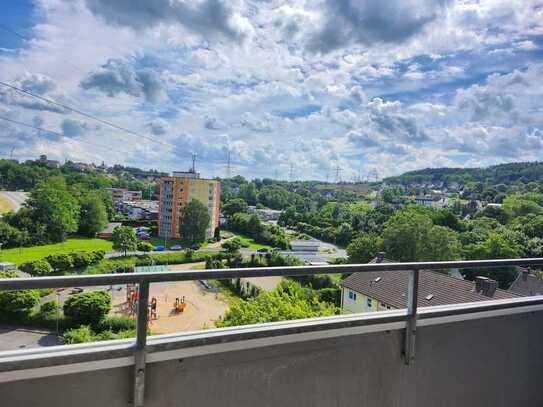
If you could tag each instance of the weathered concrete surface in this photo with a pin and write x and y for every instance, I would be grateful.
(486, 362)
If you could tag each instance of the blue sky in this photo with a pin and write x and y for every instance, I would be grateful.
(387, 86)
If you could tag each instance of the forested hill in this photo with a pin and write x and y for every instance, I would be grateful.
(497, 174)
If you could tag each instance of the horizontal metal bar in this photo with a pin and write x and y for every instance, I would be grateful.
(249, 335)
(164, 276)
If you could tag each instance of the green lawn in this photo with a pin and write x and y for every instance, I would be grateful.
(5, 205)
(252, 244)
(24, 254)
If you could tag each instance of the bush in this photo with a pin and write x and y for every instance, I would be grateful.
(117, 324)
(232, 245)
(97, 256)
(17, 303)
(145, 246)
(84, 334)
(331, 295)
(125, 268)
(49, 308)
(81, 259)
(78, 335)
(36, 268)
(60, 262)
(88, 307)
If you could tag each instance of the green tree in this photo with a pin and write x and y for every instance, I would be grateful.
(364, 248)
(124, 239)
(52, 205)
(88, 307)
(411, 236)
(232, 245)
(194, 222)
(234, 206)
(496, 246)
(496, 212)
(145, 247)
(288, 301)
(522, 205)
(93, 215)
(10, 236)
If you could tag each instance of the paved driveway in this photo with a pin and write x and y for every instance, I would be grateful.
(12, 338)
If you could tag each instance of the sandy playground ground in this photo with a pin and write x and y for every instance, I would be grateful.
(203, 307)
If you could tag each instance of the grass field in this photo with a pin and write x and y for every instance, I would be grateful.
(24, 254)
(5, 205)
(252, 244)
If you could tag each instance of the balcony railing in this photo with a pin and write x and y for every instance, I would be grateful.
(15, 365)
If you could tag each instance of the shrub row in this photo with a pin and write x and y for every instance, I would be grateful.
(61, 263)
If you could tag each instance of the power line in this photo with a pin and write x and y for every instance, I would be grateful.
(58, 134)
(64, 106)
(16, 34)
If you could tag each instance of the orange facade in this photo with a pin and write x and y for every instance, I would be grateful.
(175, 192)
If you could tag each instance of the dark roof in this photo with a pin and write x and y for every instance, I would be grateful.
(390, 287)
(527, 284)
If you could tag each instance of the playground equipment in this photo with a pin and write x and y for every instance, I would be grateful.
(179, 305)
(153, 309)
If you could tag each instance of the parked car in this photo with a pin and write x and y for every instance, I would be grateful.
(143, 236)
(195, 246)
(176, 247)
(159, 248)
(262, 250)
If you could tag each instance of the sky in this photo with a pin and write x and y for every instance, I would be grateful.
(317, 89)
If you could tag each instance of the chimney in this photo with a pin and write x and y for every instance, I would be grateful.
(479, 283)
(485, 286)
(380, 257)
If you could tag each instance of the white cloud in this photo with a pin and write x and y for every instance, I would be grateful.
(280, 83)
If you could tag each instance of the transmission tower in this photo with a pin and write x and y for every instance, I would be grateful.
(338, 174)
(228, 165)
(193, 169)
(291, 173)
(373, 174)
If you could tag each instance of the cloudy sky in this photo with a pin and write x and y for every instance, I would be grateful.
(362, 85)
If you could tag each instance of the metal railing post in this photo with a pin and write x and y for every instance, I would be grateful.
(411, 324)
(141, 343)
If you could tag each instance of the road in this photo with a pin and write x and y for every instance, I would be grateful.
(12, 338)
(15, 198)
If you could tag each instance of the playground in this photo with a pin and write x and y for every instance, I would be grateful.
(174, 306)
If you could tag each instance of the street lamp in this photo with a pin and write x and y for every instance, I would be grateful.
(58, 311)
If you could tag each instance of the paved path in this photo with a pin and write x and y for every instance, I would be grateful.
(16, 199)
(12, 338)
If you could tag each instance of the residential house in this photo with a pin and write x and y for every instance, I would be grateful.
(123, 194)
(107, 232)
(139, 210)
(265, 215)
(378, 291)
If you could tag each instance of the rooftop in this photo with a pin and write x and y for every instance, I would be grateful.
(527, 284)
(435, 288)
(460, 354)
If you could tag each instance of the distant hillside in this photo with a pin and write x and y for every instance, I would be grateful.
(496, 174)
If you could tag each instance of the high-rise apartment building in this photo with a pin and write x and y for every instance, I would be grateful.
(177, 191)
